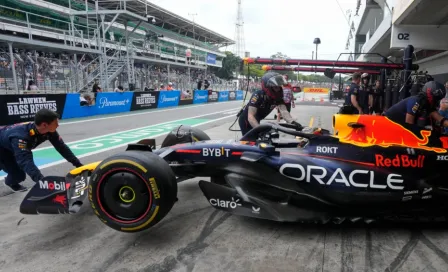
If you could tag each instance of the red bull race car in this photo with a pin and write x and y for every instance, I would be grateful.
(368, 169)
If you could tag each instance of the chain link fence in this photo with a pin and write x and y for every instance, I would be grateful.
(61, 74)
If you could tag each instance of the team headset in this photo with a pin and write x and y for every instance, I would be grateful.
(244, 99)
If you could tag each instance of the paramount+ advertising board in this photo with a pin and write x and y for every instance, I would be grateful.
(168, 99)
(144, 100)
(200, 96)
(23, 108)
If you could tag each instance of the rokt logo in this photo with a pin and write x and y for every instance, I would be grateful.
(225, 203)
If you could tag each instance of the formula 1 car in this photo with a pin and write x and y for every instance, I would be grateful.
(313, 176)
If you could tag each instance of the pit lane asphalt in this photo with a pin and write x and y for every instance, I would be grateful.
(196, 237)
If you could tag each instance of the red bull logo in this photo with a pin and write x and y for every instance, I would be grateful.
(399, 161)
(379, 131)
(61, 199)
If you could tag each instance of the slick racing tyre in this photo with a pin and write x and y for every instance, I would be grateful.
(184, 134)
(132, 191)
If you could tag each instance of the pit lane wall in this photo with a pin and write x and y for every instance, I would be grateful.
(23, 107)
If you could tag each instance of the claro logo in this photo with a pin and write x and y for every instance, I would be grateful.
(225, 203)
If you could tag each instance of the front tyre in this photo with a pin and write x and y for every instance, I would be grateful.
(132, 191)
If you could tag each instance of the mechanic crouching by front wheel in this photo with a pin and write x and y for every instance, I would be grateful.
(417, 112)
(17, 141)
(263, 101)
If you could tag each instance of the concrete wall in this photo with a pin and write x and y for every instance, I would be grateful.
(400, 7)
(437, 67)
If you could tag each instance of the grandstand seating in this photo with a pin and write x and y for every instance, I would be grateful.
(75, 5)
(17, 9)
(52, 16)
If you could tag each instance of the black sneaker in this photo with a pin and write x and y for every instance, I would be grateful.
(17, 187)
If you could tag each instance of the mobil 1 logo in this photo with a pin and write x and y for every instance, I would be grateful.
(144, 100)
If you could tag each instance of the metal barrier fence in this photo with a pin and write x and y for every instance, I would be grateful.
(53, 75)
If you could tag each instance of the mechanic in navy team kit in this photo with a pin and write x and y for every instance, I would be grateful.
(364, 93)
(263, 101)
(415, 111)
(17, 141)
(353, 99)
(376, 99)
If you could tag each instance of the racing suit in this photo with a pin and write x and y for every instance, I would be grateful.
(264, 105)
(16, 157)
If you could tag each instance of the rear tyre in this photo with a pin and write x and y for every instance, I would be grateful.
(184, 134)
(132, 191)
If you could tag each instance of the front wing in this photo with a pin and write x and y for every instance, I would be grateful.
(59, 195)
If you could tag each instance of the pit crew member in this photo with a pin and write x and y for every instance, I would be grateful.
(288, 98)
(364, 93)
(352, 99)
(17, 141)
(413, 112)
(263, 101)
(376, 99)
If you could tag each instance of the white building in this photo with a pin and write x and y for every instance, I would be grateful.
(386, 27)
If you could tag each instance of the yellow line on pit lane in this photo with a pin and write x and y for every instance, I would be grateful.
(311, 122)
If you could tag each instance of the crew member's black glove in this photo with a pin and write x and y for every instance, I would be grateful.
(299, 126)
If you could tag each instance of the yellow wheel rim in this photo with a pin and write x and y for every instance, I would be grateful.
(124, 194)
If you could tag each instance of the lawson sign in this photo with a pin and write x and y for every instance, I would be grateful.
(168, 99)
(200, 96)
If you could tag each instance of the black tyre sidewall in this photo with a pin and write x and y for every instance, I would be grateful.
(160, 180)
